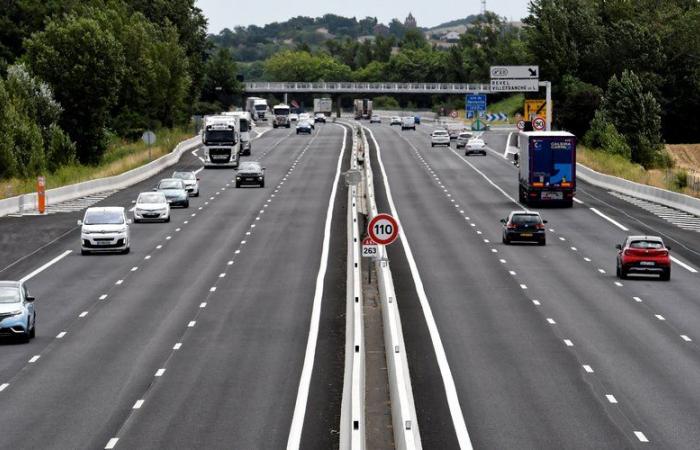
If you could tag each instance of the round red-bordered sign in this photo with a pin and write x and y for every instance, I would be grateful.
(383, 229)
(521, 125)
(539, 124)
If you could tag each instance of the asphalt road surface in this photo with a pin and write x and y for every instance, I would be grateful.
(197, 338)
(534, 347)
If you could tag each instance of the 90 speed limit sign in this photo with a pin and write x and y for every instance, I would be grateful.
(383, 229)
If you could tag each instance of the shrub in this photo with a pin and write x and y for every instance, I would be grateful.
(603, 134)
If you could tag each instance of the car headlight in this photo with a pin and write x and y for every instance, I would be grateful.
(260, 178)
(15, 313)
(238, 178)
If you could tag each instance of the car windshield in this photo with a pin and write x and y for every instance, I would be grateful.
(151, 198)
(97, 217)
(440, 133)
(9, 294)
(170, 184)
(250, 166)
(525, 219)
(465, 136)
(184, 175)
(646, 244)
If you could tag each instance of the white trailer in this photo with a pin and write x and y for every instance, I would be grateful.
(245, 126)
(323, 105)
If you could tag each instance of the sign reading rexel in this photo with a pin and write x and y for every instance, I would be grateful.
(515, 72)
(520, 85)
(370, 249)
(383, 229)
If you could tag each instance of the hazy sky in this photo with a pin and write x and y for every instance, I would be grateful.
(428, 13)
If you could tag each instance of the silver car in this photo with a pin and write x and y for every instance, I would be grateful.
(191, 182)
(151, 206)
(105, 229)
(463, 138)
(439, 137)
(475, 145)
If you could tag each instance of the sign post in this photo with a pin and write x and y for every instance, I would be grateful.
(41, 194)
(149, 138)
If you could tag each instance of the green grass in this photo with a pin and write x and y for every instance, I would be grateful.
(121, 156)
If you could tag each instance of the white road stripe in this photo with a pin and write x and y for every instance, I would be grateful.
(683, 265)
(138, 404)
(83, 314)
(587, 368)
(191, 324)
(612, 221)
(60, 335)
(177, 346)
(35, 358)
(551, 321)
(46, 266)
(637, 299)
(448, 380)
(641, 436)
(3, 386)
(611, 398)
(103, 296)
(111, 444)
(294, 439)
(578, 201)
(160, 372)
(660, 317)
(568, 343)
(686, 338)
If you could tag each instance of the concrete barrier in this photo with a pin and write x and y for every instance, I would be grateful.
(28, 202)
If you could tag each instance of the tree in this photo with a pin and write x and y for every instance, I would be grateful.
(576, 104)
(84, 64)
(220, 83)
(303, 66)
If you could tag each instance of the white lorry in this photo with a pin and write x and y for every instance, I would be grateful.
(221, 141)
(245, 126)
(257, 107)
(281, 113)
(323, 105)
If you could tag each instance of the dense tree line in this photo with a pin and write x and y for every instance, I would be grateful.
(74, 71)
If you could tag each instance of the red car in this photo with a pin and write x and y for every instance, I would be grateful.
(644, 255)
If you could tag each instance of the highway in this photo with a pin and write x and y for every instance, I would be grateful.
(198, 337)
(534, 347)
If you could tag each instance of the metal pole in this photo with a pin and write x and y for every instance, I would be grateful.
(548, 85)
(285, 98)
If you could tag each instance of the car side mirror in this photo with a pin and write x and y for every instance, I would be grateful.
(133, 202)
(80, 223)
(155, 189)
(30, 298)
(544, 221)
(668, 247)
(197, 178)
(618, 246)
(503, 220)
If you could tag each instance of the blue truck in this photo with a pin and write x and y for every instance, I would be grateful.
(547, 161)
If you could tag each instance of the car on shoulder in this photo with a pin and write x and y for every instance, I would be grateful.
(644, 255)
(320, 118)
(375, 119)
(17, 312)
(439, 137)
(463, 138)
(191, 181)
(395, 120)
(408, 123)
(306, 117)
(175, 191)
(151, 206)
(104, 229)
(250, 173)
(304, 127)
(524, 226)
(475, 145)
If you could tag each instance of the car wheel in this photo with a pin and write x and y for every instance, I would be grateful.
(32, 332)
(297, 131)
(27, 335)
(623, 273)
(617, 271)
(187, 204)
(506, 240)
(167, 219)
(197, 194)
(666, 275)
(542, 242)
(126, 251)
(432, 145)
(262, 185)
(483, 153)
(238, 185)
(84, 252)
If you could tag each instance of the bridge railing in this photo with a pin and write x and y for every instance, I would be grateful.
(350, 87)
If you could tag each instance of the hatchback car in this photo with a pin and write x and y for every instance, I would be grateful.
(17, 314)
(304, 127)
(408, 123)
(104, 229)
(524, 226)
(439, 137)
(191, 182)
(396, 120)
(644, 255)
(306, 117)
(463, 138)
(175, 191)
(320, 118)
(250, 173)
(151, 206)
(375, 119)
(475, 145)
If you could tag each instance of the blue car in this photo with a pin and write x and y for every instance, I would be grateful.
(417, 119)
(17, 314)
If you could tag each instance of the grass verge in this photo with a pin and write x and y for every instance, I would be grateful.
(121, 156)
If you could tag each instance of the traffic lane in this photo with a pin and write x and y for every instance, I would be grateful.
(240, 364)
(600, 317)
(512, 374)
(154, 306)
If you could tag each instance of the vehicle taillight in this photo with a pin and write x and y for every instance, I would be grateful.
(540, 226)
(537, 184)
(663, 253)
(628, 252)
(511, 226)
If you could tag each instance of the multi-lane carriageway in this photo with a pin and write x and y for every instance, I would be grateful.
(200, 336)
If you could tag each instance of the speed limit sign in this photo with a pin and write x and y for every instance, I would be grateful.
(383, 229)
(538, 124)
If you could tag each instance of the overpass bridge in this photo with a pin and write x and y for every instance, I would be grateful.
(342, 87)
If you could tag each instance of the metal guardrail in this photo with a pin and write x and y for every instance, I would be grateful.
(342, 87)
(403, 409)
(28, 202)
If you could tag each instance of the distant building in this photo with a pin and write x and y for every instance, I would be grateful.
(410, 21)
(380, 30)
(451, 37)
(368, 37)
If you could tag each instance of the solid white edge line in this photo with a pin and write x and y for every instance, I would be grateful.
(683, 265)
(294, 440)
(444, 366)
(578, 201)
(46, 266)
(111, 444)
(609, 219)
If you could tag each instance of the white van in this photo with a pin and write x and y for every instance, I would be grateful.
(408, 123)
(105, 229)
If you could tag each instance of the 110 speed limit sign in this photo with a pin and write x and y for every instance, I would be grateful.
(383, 229)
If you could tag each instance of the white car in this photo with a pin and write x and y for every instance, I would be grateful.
(439, 137)
(105, 229)
(475, 145)
(396, 120)
(306, 117)
(408, 123)
(151, 206)
(191, 182)
(293, 117)
(463, 138)
(375, 119)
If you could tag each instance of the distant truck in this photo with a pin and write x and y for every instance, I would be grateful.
(363, 108)
(244, 127)
(221, 140)
(281, 113)
(323, 106)
(547, 163)
(257, 107)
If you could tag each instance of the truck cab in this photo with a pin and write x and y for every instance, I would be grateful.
(221, 140)
(547, 167)
(282, 118)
